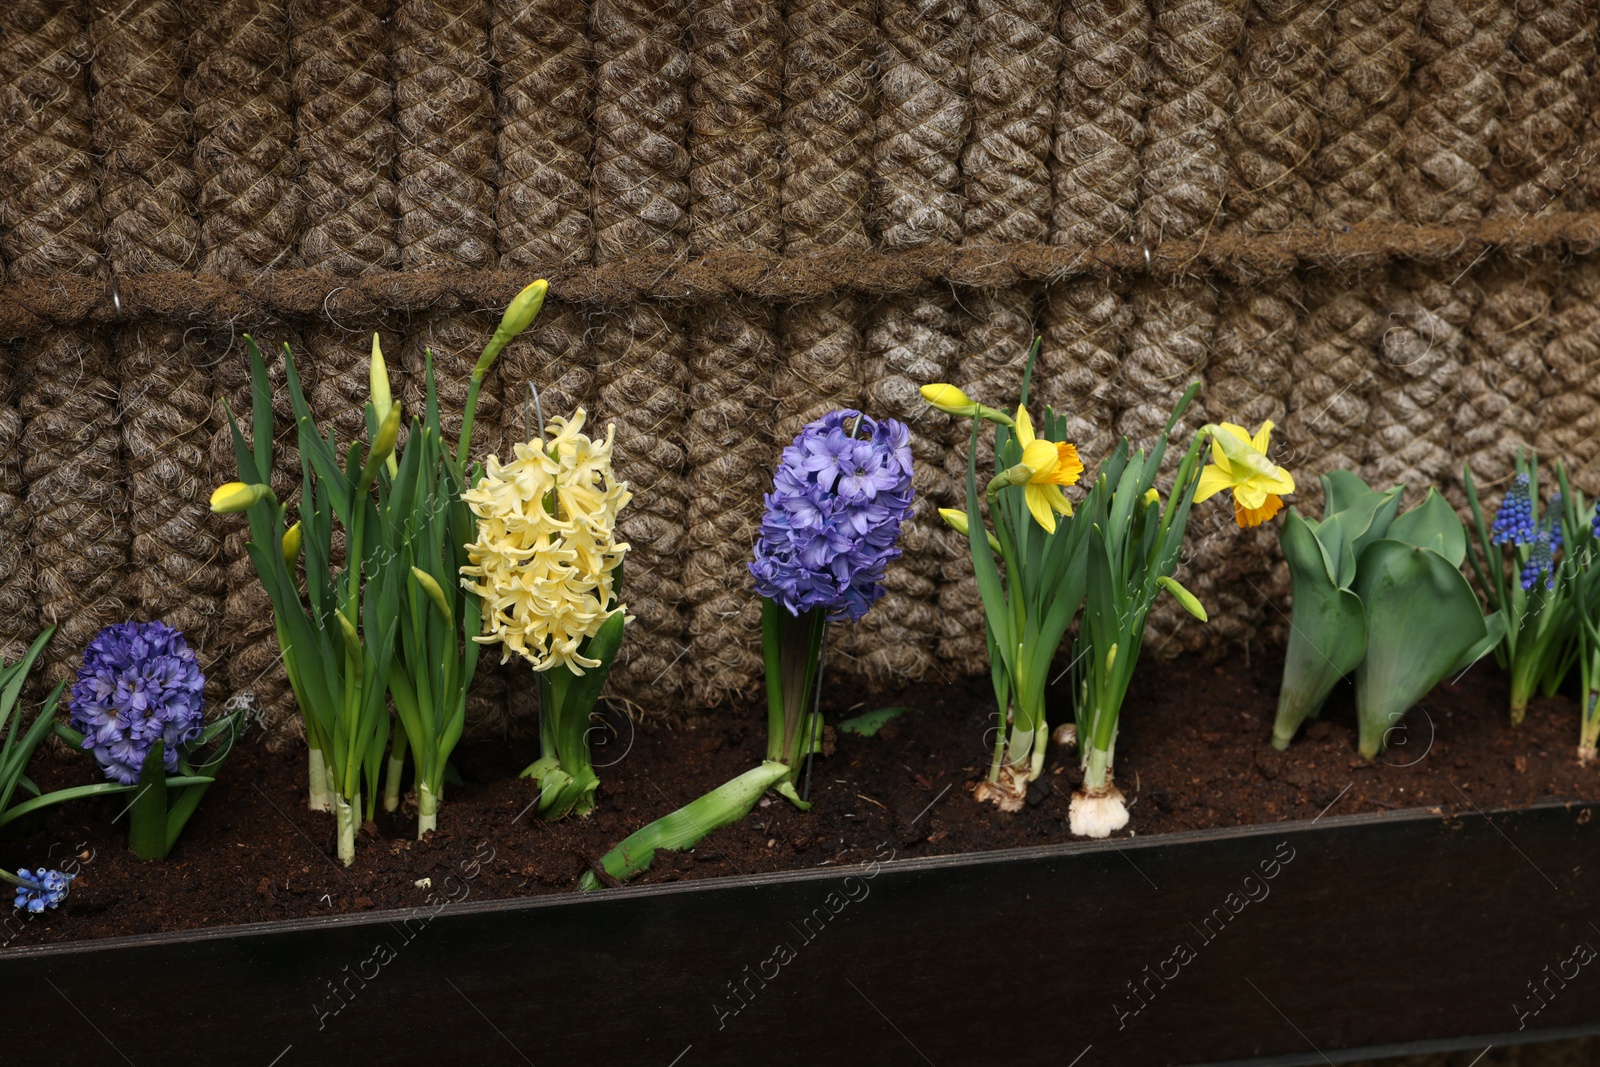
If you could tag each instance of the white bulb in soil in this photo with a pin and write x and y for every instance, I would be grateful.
(1099, 815)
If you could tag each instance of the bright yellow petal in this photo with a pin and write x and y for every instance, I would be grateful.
(1056, 499)
(1039, 505)
(1213, 480)
(1263, 437)
(1284, 483)
(1219, 458)
(1237, 431)
(1024, 427)
(1250, 494)
(1040, 457)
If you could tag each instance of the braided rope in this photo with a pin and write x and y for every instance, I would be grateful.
(922, 124)
(733, 186)
(640, 207)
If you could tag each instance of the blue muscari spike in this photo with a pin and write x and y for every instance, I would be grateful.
(1540, 561)
(1552, 513)
(1513, 522)
(41, 889)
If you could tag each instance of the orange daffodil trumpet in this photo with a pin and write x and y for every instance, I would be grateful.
(1239, 462)
(1051, 465)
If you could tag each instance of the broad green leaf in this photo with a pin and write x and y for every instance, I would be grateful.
(1432, 524)
(1422, 619)
(1327, 632)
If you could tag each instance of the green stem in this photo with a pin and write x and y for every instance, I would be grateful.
(1098, 771)
(427, 810)
(396, 767)
(347, 815)
(320, 781)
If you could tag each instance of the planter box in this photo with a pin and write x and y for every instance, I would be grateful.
(1294, 943)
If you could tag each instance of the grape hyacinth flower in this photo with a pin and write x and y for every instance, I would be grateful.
(1553, 511)
(140, 683)
(41, 889)
(839, 496)
(1513, 522)
(1541, 561)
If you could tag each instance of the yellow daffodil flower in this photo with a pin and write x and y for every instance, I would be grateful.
(546, 554)
(1239, 462)
(1052, 464)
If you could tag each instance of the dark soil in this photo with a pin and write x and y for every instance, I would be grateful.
(1192, 754)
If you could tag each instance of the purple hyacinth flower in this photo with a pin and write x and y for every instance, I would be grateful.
(834, 514)
(140, 682)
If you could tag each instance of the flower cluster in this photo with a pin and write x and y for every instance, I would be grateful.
(546, 553)
(41, 889)
(1513, 522)
(1546, 543)
(841, 491)
(140, 683)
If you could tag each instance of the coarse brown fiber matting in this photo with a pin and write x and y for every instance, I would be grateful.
(1372, 222)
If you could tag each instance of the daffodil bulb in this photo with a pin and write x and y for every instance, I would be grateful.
(546, 555)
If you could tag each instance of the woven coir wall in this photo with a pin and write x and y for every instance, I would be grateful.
(1369, 221)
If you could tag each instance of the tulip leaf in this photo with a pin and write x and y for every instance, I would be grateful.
(1422, 619)
(867, 724)
(1432, 524)
(1327, 634)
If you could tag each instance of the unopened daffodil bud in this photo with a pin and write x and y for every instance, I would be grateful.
(519, 315)
(952, 401)
(383, 444)
(434, 593)
(291, 546)
(1151, 496)
(382, 396)
(1021, 474)
(956, 519)
(1190, 602)
(234, 497)
(352, 640)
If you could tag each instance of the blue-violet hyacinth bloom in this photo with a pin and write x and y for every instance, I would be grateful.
(1552, 512)
(840, 493)
(140, 682)
(1513, 522)
(41, 889)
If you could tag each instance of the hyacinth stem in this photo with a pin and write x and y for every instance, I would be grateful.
(348, 817)
(394, 771)
(319, 781)
(1097, 772)
(792, 647)
(427, 810)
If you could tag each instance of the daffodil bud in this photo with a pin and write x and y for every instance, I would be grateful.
(956, 519)
(382, 397)
(949, 399)
(383, 444)
(1021, 474)
(1190, 602)
(378, 375)
(234, 497)
(352, 640)
(291, 545)
(520, 313)
(434, 593)
(953, 401)
(1151, 496)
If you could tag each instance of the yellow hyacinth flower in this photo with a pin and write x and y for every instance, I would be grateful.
(545, 559)
(1239, 462)
(1052, 464)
